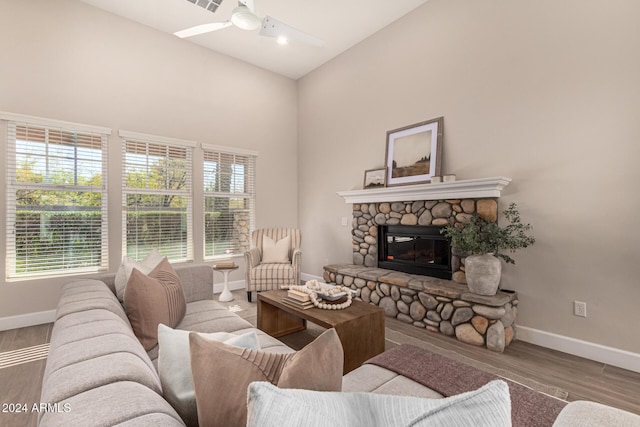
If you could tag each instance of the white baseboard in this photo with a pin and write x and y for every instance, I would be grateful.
(600, 353)
(25, 320)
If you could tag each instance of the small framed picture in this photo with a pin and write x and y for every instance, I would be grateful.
(375, 178)
(413, 152)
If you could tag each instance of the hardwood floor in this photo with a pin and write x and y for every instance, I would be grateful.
(20, 383)
(583, 379)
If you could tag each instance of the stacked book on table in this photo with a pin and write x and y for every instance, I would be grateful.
(298, 299)
(225, 264)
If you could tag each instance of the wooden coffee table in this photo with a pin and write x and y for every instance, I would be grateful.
(360, 326)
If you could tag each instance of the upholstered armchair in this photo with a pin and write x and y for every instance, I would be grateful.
(274, 261)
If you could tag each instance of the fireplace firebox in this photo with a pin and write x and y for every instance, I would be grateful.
(414, 249)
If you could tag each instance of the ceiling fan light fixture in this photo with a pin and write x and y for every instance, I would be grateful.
(244, 19)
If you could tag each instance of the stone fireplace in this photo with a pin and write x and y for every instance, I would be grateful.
(407, 220)
(370, 218)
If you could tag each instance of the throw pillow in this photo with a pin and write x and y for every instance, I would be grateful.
(276, 252)
(150, 262)
(221, 374)
(154, 299)
(174, 366)
(269, 406)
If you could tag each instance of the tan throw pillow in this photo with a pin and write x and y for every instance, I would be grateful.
(276, 252)
(222, 374)
(174, 366)
(154, 299)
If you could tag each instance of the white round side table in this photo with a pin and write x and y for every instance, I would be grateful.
(226, 294)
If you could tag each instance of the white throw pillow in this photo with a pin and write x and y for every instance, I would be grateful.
(270, 406)
(276, 252)
(128, 264)
(174, 366)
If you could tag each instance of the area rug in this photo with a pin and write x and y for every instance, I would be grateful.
(399, 338)
(395, 338)
(449, 377)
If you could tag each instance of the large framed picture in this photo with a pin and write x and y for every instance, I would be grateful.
(374, 178)
(414, 152)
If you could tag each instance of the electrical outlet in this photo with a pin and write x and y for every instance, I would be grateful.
(580, 308)
(344, 221)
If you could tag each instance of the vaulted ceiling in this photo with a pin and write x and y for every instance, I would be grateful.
(341, 24)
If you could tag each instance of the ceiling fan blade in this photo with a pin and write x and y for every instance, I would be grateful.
(201, 29)
(273, 28)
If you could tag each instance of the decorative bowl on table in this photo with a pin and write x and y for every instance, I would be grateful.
(326, 291)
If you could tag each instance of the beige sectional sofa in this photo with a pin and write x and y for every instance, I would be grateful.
(98, 373)
(97, 370)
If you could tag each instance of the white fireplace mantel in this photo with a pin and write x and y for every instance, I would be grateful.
(465, 189)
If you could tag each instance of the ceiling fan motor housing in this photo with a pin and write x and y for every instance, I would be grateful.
(244, 18)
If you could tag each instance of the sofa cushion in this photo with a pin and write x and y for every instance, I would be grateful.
(150, 262)
(379, 380)
(197, 281)
(93, 347)
(174, 366)
(98, 346)
(221, 374)
(123, 403)
(211, 316)
(153, 299)
(87, 324)
(87, 374)
(581, 413)
(87, 295)
(269, 406)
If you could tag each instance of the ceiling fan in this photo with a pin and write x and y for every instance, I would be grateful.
(245, 18)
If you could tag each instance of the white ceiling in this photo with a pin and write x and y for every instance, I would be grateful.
(340, 23)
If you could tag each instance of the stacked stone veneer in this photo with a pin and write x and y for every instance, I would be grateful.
(441, 306)
(367, 218)
(241, 222)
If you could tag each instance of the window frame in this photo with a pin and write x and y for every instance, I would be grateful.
(13, 121)
(189, 146)
(249, 193)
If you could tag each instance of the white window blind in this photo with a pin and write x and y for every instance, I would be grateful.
(229, 201)
(56, 199)
(157, 197)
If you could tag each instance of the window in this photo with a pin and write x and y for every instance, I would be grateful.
(157, 196)
(229, 201)
(56, 198)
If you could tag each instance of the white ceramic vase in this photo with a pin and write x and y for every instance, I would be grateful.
(483, 273)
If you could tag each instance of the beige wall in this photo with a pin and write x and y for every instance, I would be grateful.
(65, 60)
(544, 92)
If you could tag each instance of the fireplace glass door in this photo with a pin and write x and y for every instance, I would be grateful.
(415, 249)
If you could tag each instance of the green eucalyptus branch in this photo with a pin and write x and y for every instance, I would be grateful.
(480, 236)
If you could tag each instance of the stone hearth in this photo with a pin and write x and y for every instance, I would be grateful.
(438, 305)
